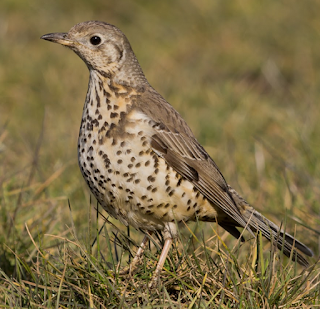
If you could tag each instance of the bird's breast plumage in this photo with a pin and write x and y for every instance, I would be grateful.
(130, 181)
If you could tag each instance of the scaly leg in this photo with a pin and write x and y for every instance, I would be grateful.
(162, 259)
(136, 260)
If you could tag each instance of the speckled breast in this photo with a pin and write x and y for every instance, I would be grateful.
(128, 179)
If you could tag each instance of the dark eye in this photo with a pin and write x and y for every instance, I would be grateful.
(95, 40)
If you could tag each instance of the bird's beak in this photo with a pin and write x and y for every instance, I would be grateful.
(60, 38)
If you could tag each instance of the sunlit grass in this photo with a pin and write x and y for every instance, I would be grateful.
(245, 76)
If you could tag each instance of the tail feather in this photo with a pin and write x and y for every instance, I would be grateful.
(257, 222)
(282, 240)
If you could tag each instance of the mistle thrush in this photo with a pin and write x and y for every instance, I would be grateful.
(139, 157)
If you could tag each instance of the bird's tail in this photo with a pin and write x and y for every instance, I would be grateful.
(284, 241)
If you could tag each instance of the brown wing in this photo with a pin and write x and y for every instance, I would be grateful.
(189, 159)
(173, 140)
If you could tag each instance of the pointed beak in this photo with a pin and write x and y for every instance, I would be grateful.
(60, 38)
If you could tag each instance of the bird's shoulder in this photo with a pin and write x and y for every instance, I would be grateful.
(173, 139)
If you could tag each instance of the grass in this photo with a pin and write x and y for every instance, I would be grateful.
(245, 76)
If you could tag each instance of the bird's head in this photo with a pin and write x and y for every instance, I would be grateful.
(103, 47)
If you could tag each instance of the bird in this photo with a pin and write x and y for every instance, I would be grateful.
(140, 158)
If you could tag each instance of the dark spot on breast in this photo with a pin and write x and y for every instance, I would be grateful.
(95, 122)
(151, 178)
(114, 115)
(106, 94)
(110, 129)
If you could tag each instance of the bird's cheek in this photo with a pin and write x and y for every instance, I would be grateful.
(112, 53)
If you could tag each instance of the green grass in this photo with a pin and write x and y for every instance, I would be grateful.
(245, 76)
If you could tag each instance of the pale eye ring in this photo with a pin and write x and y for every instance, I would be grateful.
(95, 40)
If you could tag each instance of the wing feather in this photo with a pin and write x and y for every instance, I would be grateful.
(190, 160)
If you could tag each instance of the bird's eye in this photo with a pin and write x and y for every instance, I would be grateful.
(95, 40)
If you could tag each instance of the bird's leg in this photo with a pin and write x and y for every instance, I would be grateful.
(162, 259)
(136, 260)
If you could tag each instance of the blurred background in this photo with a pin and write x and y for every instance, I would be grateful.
(244, 74)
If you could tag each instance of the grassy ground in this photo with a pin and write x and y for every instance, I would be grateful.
(245, 76)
